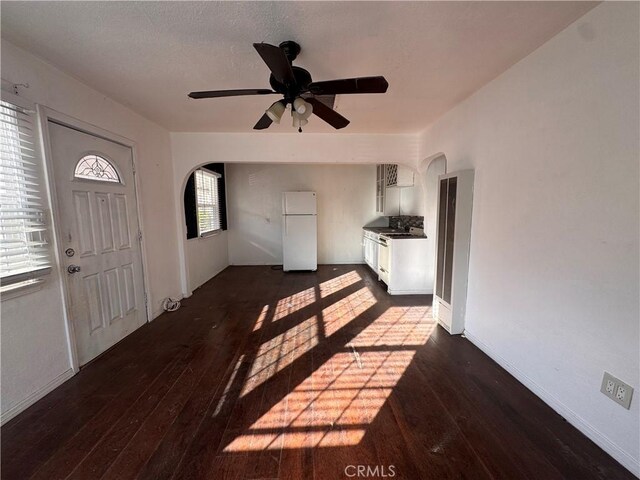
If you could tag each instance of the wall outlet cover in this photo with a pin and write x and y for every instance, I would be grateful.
(617, 390)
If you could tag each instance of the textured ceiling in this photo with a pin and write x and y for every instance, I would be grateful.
(149, 55)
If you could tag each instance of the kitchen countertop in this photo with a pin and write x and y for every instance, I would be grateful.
(383, 230)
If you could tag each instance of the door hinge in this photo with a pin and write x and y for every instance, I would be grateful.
(140, 235)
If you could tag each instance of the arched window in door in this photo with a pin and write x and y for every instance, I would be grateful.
(95, 167)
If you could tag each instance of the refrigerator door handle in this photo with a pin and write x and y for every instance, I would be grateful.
(285, 225)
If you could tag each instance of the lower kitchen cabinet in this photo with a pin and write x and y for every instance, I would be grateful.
(370, 245)
(402, 265)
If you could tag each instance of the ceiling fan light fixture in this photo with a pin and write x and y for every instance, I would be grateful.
(275, 111)
(307, 111)
(300, 105)
(298, 120)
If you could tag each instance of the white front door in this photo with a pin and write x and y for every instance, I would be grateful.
(99, 234)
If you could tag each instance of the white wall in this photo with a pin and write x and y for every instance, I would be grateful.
(261, 147)
(34, 346)
(206, 257)
(430, 169)
(554, 281)
(346, 202)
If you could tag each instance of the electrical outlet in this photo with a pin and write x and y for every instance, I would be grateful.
(611, 386)
(621, 393)
(616, 390)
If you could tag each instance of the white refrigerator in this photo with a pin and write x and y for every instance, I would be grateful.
(299, 231)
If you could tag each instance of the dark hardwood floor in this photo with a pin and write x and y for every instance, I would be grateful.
(265, 375)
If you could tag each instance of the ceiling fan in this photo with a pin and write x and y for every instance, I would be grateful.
(298, 89)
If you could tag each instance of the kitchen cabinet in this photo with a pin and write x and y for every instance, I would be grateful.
(402, 265)
(370, 245)
(387, 199)
(399, 176)
(391, 202)
(453, 237)
(380, 187)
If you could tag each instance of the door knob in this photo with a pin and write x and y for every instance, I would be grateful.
(73, 268)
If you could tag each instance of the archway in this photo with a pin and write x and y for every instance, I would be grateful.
(201, 256)
(430, 169)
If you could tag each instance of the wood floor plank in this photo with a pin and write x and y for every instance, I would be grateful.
(98, 461)
(202, 453)
(536, 429)
(265, 374)
(151, 431)
(92, 393)
(483, 431)
(163, 461)
(296, 460)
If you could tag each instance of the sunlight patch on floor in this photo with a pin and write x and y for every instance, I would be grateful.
(398, 326)
(332, 407)
(361, 301)
(335, 403)
(288, 305)
(278, 352)
(227, 389)
(261, 318)
(338, 283)
(281, 351)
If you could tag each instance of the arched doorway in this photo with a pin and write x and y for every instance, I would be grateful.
(430, 169)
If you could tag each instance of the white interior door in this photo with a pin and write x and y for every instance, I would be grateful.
(99, 232)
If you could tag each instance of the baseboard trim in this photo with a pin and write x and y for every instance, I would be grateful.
(408, 292)
(572, 417)
(35, 396)
(345, 262)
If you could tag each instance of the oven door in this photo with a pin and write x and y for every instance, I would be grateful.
(384, 260)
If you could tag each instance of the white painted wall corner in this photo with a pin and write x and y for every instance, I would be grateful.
(35, 396)
(567, 413)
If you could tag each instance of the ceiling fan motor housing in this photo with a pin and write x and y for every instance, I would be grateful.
(291, 49)
(303, 79)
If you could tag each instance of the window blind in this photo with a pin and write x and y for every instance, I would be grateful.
(24, 250)
(208, 202)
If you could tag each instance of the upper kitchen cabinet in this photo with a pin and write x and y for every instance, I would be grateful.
(387, 199)
(380, 189)
(398, 176)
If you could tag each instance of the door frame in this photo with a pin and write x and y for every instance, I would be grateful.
(46, 114)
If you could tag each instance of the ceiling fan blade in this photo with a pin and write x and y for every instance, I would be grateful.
(328, 100)
(277, 62)
(263, 123)
(327, 114)
(231, 93)
(350, 85)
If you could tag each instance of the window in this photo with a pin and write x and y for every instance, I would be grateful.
(95, 167)
(207, 201)
(190, 201)
(24, 250)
